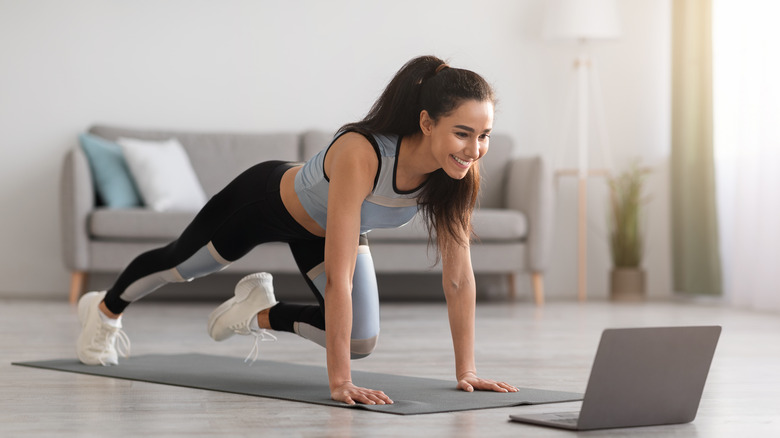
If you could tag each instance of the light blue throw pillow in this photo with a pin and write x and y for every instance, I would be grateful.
(112, 177)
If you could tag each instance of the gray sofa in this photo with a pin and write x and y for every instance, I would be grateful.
(514, 219)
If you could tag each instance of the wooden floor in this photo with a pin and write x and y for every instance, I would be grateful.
(550, 348)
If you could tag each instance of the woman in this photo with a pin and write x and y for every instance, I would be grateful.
(416, 149)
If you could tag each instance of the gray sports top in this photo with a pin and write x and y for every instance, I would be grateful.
(384, 207)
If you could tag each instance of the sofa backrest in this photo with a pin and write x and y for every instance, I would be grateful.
(218, 157)
(314, 141)
(493, 170)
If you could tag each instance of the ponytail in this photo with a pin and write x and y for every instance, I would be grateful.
(397, 111)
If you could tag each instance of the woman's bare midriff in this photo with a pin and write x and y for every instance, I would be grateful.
(293, 204)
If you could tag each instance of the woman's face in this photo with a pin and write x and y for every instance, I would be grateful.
(459, 139)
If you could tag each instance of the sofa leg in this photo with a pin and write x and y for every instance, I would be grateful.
(77, 281)
(512, 280)
(537, 282)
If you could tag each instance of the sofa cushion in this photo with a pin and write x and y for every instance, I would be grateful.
(113, 181)
(138, 224)
(490, 225)
(163, 174)
(499, 225)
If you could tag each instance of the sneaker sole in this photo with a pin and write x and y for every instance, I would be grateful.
(242, 295)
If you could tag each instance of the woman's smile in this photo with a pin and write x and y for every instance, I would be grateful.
(462, 163)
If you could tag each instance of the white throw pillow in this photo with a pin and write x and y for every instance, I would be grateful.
(163, 174)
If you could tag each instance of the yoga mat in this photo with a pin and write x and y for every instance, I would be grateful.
(303, 383)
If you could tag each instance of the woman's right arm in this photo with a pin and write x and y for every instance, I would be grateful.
(351, 165)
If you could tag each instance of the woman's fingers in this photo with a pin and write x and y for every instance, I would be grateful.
(352, 394)
(379, 397)
(471, 383)
(372, 397)
(499, 386)
(465, 386)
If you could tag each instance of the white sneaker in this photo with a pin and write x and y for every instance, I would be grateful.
(97, 343)
(254, 293)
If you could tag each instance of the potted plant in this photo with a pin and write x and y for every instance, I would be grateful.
(626, 237)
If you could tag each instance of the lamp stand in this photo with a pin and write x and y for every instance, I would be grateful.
(583, 69)
(587, 83)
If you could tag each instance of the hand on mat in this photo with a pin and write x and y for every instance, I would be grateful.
(469, 382)
(351, 394)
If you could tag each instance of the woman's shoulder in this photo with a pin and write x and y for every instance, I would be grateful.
(359, 141)
(354, 150)
(355, 143)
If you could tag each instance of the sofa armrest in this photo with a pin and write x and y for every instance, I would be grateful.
(77, 199)
(530, 190)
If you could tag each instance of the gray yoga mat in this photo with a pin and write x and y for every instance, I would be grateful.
(303, 383)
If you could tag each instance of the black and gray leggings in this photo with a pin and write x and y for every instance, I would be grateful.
(247, 213)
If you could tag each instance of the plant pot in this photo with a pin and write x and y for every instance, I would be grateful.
(627, 284)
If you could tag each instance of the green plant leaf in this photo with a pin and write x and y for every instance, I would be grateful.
(626, 238)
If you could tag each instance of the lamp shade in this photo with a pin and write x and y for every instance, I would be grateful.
(581, 19)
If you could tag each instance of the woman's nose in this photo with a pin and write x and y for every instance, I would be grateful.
(472, 150)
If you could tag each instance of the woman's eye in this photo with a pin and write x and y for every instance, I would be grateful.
(461, 134)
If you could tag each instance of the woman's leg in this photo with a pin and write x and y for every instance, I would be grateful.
(309, 321)
(227, 227)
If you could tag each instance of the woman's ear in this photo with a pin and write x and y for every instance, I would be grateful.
(426, 122)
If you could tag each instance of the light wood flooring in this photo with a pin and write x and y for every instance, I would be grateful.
(549, 348)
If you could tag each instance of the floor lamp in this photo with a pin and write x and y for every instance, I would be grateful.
(583, 21)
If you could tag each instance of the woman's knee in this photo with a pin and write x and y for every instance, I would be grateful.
(360, 348)
(205, 261)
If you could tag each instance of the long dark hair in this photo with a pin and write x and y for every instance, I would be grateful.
(428, 83)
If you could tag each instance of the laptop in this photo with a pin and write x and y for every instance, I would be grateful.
(641, 377)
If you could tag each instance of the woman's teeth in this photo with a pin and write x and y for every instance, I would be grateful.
(461, 162)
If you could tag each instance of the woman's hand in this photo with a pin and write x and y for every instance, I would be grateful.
(469, 382)
(351, 394)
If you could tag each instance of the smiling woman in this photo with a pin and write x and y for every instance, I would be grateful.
(459, 139)
(417, 149)
(427, 90)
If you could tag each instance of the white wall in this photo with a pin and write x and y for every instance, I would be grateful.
(253, 65)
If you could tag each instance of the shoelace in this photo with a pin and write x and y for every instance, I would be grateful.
(123, 346)
(108, 336)
(262, 335)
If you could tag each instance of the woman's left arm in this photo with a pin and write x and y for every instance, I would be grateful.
(461, 292)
